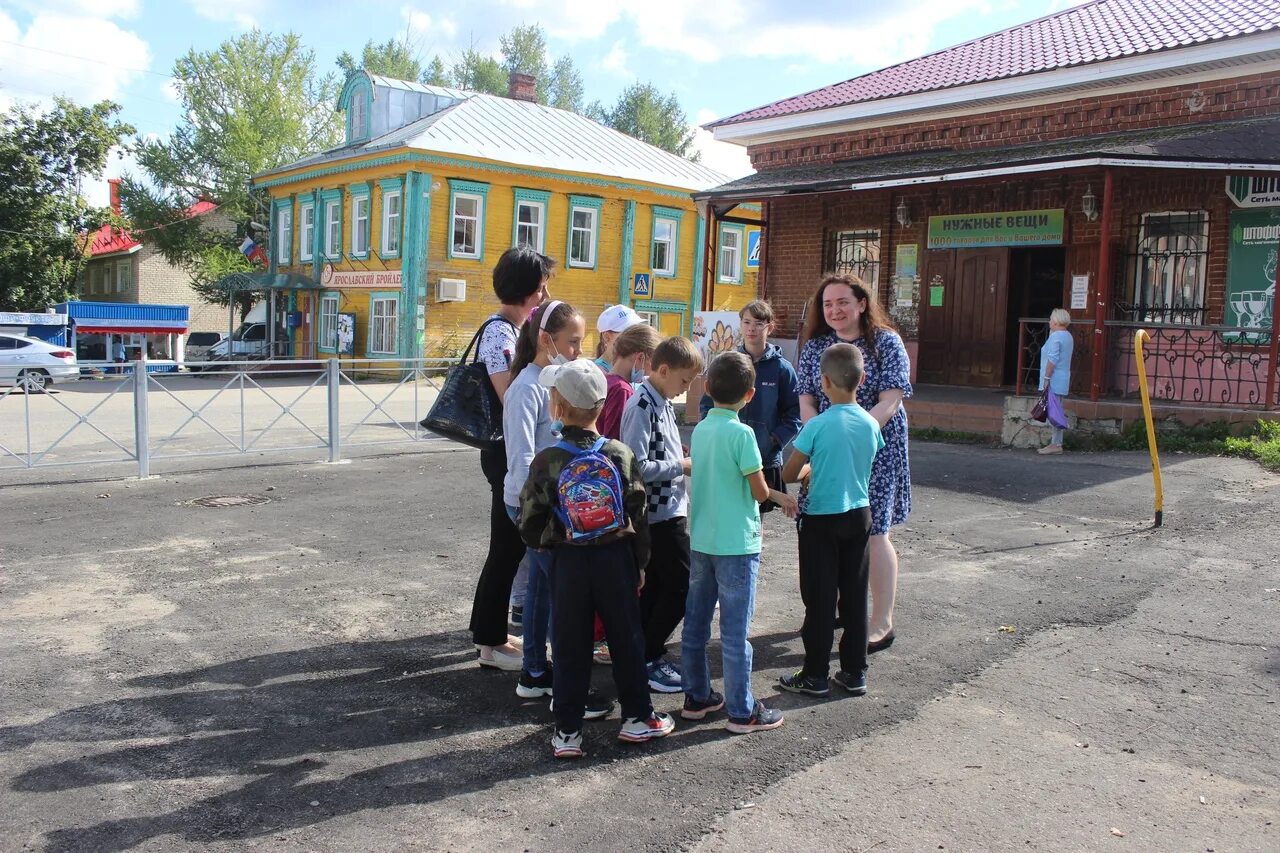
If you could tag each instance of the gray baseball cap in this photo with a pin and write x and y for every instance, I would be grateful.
(580, 382)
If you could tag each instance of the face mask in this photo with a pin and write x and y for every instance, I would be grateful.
(557, 426)
(558, 360)
(637, 375)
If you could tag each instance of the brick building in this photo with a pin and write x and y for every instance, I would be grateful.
(123, 269)
(1120, 158)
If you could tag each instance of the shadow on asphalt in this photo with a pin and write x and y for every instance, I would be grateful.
(277, 717)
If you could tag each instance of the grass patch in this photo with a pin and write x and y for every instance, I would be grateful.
(951, 436)
(1261, 442)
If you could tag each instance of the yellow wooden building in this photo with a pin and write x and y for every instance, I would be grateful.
(399, 227)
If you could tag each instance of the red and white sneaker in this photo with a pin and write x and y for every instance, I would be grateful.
(635, 730)
(567, 745)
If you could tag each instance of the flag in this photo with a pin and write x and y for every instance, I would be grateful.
(255, 253)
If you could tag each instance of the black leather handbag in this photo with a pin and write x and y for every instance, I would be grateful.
(468, 410)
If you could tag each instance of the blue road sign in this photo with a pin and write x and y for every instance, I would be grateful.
(753, 248)
(641, 285)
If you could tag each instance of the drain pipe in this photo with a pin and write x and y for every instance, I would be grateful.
(1103, 292)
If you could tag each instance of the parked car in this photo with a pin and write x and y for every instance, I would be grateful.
(35, 364)
(200, 343)
(250, 339)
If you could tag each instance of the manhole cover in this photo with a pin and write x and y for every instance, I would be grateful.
(223, 501)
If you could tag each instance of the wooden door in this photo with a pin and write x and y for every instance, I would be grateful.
(979, 302)
(934, 330)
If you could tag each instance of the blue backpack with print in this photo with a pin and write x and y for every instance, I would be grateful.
(590, 490)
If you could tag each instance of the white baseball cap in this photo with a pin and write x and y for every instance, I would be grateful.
(580, 382)
(617, 318)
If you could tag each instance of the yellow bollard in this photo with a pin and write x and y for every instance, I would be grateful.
(1138, 337)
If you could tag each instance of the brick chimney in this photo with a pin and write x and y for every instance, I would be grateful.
(115, 195)
(522, 87)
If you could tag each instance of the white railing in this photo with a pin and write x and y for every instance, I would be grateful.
(226, 408)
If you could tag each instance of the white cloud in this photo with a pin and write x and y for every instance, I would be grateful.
(238, 12)
(88, 8)
(84, 58)
(169, 89)
(423, 26)
(571, 20)
(616, 60)
(724, 157)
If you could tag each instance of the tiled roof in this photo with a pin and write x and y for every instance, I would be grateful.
(108, 240)
(522, 133)
(1254, 141)
(1094, 32)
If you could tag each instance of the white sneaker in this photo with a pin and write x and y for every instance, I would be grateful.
(567, 745)
(1050, 449)
(638, 731)
(500, 660)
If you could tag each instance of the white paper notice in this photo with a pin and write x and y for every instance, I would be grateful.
(1079, 292)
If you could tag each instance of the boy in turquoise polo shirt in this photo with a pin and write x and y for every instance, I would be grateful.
(724, 521)
(839, 446)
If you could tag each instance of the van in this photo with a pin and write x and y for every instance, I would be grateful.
(250, 339)
(199, 344)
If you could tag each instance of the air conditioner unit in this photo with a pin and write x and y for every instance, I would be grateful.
(451, 290)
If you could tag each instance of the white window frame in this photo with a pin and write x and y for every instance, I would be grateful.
(590, 236)
(329, 322)
(383, 325)
(359, 116)
(478, 220)
(284, 235)
(670, 269)
(726, 272)
(360, 226)
(539, 227)
(123, 274)
(391, 222)
(333, 229)
(650, 317)
(308, 231)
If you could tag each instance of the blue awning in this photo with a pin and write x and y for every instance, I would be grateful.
(126, 318)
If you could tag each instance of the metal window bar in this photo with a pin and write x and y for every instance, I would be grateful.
(856, 252)
(1162, 269)
(1203, 365)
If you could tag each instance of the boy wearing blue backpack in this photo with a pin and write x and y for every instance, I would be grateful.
(585, 500)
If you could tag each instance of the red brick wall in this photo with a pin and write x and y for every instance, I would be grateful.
(798, 225)
(1240, 97)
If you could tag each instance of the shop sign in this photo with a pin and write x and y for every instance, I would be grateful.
(329, 277)
(1251, 272)
(1254, 190)
(1006, 228)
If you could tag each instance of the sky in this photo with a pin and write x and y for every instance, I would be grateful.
(719, 56)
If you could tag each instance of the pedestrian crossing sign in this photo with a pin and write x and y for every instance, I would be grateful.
(753, 248)
(641, 285)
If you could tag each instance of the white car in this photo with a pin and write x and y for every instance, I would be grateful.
(35, 364)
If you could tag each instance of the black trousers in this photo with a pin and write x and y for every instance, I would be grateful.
(586, 580)
(833, 579)
(666, 585)
(506, 549)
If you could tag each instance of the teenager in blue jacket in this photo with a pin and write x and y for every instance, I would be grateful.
(774, 413)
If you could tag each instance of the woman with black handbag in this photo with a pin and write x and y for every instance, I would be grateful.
(520, 283)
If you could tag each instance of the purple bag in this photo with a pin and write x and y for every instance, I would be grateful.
(1057, 417)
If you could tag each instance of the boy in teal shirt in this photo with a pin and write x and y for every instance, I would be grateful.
(839, 446)
(724, 521)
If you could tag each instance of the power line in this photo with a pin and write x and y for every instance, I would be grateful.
(87, 59)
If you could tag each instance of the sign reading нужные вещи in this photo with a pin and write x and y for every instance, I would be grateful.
(1007, 228)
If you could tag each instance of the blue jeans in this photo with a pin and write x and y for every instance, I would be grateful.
(731, 581)
(537, 604)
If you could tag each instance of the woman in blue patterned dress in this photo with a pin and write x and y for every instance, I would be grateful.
(843, 310)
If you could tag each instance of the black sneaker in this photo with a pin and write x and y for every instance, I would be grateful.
(533, 686)
(597, 707)
(801, 683)
(695, 710)
(854, 682)
(517, 616)
(761, 720)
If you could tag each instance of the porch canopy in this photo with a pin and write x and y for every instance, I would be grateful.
(1239, 146)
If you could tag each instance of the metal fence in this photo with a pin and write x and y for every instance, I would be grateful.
(224, 409)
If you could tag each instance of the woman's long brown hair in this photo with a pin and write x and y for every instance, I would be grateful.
(873, 320)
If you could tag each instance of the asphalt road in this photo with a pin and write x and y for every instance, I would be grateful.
(296, 674)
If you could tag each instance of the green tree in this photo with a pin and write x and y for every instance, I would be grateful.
(436, 74)
(476, 72)
(45, 156)
(524, 51)
(253, 104)
(565, 90)
(641, 111)
(394, 58)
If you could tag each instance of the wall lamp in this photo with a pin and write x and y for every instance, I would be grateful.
(1089, 204)
(903, 213)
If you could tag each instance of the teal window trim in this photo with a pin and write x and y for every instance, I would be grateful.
(358, 86)
(303, 244)
(282, 253)
(673, 216)
(328, 197)
(369, 352)
(388, 187)
(741, 231)
(358, 193)
(337, 297)
(665, 307)
(472, 189)
(541, 198)
(594, 204)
